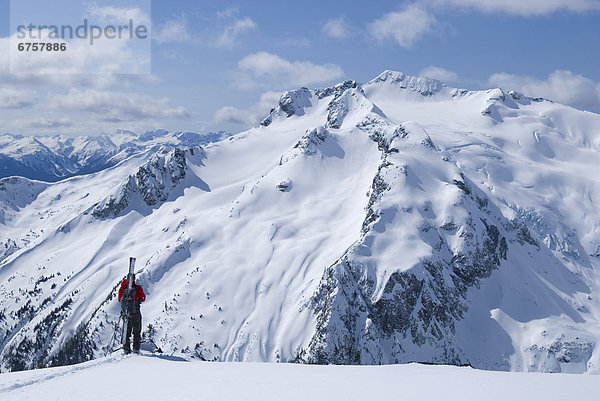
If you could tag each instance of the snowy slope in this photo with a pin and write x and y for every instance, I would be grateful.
(395, 221)
(175, 378)
(53, 158)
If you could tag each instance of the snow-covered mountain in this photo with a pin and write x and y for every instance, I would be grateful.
(54, 158)
(394, 221)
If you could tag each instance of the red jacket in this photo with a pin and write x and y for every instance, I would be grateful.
(139, 292)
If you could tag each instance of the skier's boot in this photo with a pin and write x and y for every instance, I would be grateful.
(126, 348)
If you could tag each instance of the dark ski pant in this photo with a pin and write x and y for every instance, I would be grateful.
(134, 323)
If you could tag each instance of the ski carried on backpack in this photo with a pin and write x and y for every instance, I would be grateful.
(128, 300)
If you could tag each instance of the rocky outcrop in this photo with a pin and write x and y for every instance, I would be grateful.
(153, 183)
(317, 140)
(337, 90)
(498, 100)
(290, 103)
(294, 102)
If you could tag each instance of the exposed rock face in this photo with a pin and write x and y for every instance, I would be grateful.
(285, 185)
(291, 103)
(153, 182)
(308, 143)
(336, 90)
(351, 100)
(316, 141)
(294, 102)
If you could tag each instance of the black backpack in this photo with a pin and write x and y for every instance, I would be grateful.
(128, 301)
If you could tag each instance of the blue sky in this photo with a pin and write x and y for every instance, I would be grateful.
(223, 65)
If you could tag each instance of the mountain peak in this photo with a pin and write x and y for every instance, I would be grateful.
(423, 85)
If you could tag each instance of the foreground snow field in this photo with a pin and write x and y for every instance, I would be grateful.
(172, 378)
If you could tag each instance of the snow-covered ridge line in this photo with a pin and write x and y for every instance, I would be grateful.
(295, 102)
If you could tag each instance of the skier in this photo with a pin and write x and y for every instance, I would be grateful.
(130, 299)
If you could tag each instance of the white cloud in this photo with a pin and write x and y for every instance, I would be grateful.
(232, 31)
(45, 122)
(120, 15)
(439, 73)
(117, 106)
(175, 30)
(266, 69)
(404, 27)
(337, 28)
(16, 98)
(521, 7)
(250, 116)
(232, 26)
(233, 115)
(561, 86)
(268, 100)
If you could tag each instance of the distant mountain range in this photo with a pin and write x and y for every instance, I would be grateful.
(53, 158)
(393, 221)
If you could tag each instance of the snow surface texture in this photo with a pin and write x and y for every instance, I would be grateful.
(395, 221)
(174, 378)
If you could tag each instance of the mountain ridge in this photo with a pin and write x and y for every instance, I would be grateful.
(360, 225)
(54, 158)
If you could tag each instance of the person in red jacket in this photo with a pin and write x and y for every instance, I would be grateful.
(130, 306)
